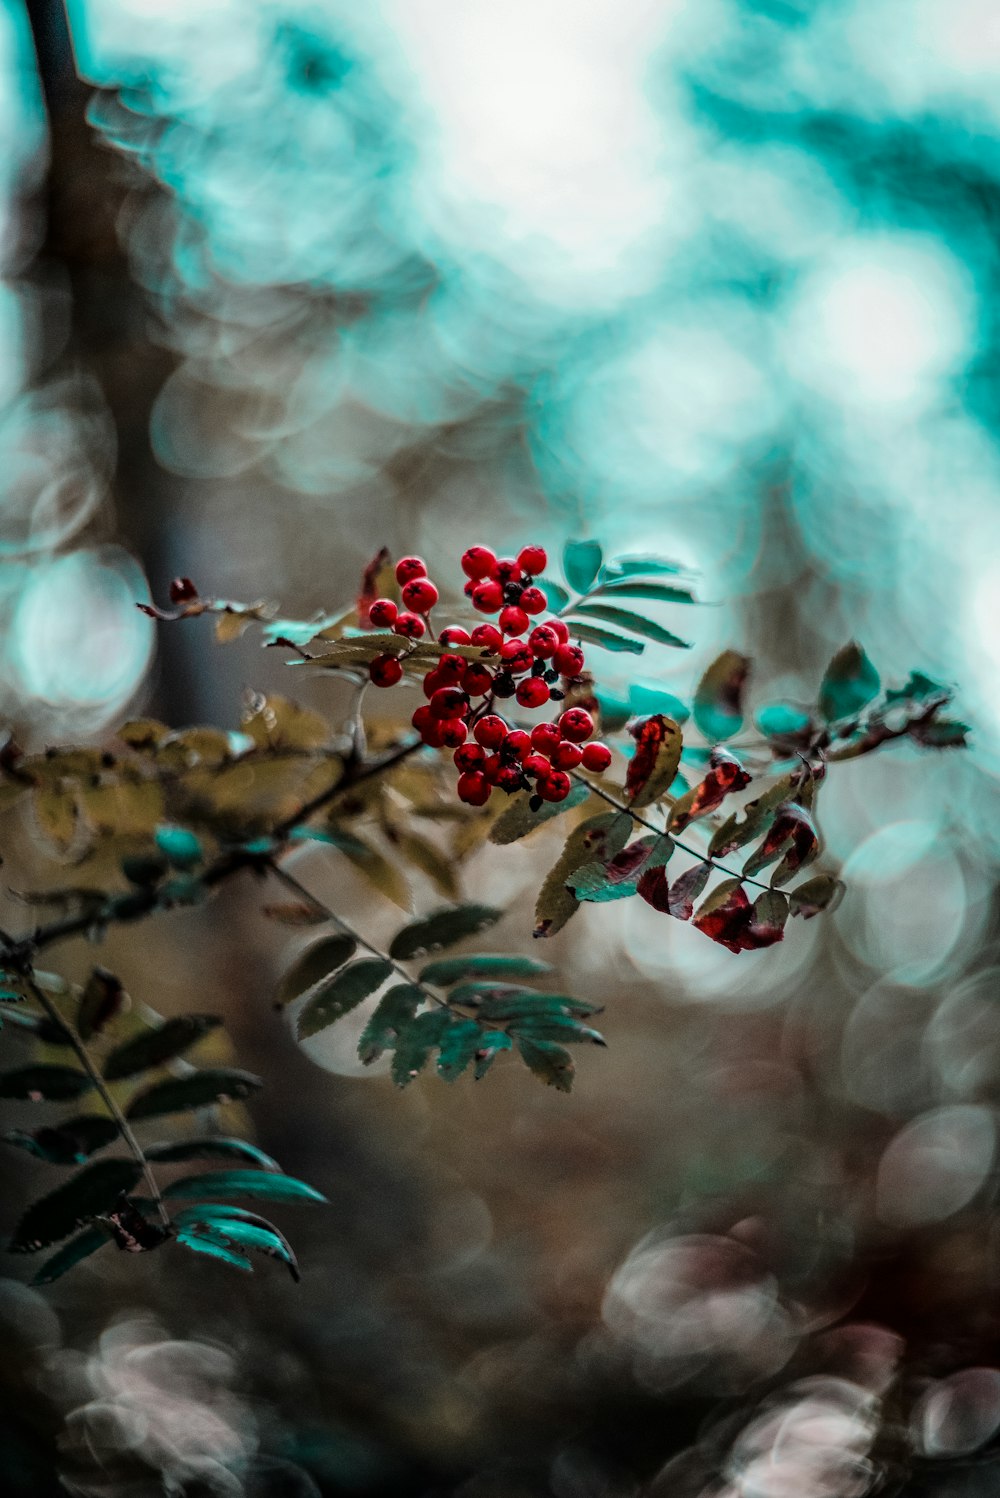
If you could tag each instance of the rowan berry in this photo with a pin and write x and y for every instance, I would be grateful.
(469, 757)
(532, 692)
(383, 613)
(478, 562)
(487, 596)
(385, 671)
(473, 788)
(420, 595)
(596, 758)
(533, 601)
(513, 620)
(477, 680)
(566, 756)
(421, 718)
(453, 733)
(545, 737)
(576, 724)
(543, 641)
(516, 743)
(182, 590)
(432, 735)
(532, 559)
(555, 786)
(410, 626)
(451, 669)
(408, 568)
(449, 702)
(432, 682)
(516, 656)
(508, 779)
(568, 660)
(561, 629)
(535, 764)
(492, 766)
(506, 571)
(454, 635)
(488, 636)
(490, 731)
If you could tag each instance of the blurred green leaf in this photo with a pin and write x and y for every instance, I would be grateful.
(442, 929)
(548, 1061)
(68, 1143)
(313, 963)
(180, 848)
(66, 1258)
(261, 1184)
(394, 1011)
(824, 892)
(459, 1043)
(581, 563)
(88, 1194)
(619, 644)
(179, 1094)
(555, 593)
(660, 592)
(639, 566)
(210, 1147)
(782, 720)
(849, 684)
(491, 1044)
(718, 698)
(645, 699)
(56, 1084)
(154, 1047)
(448, 970)
(627, 619)
(518, 819)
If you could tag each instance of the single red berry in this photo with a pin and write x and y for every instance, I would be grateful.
(182, 590)
(568, 660)
(383, 613)
(454, 635)
(432, 735)
(385, 671)
(516, 743)
(487, 596)
(535, 765)
(532, 559)
(533, 601)
(488, 636)
(508, 779)
(477, 680)
(545, 737)
(532, 692)
(422, 718)
(473, 788)
(555, 786)
(576, 724)
(432, 682)
(506, 571)
(490, 731)
(492, 766)
(513, 620)
(478, 562)
(410, 626)
(469, 757)
(543, 641)
(451, 669)
(470, 587)
(566, 756)
(407, 568)
(596, 758)
(453, 733)
(561, 629)
(420, 595)
(516, 656)
(449, 702)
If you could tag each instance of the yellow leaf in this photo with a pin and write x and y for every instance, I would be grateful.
(56, 816)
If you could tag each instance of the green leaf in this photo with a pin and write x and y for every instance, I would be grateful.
(459, 1043)
(179, 847)
(581, 563)
(261, 1184)
(595, 884)
(206, 1241)
(221, 1084)
(54, 1084)
(823, 892)
(415, 1044)
(314, 963)
(86, 1195)
(849, 684)
(718, 699)
(517, 1003)
(154, 1047)
(599, 838)
(645, 699)
(556, 1027)
(241, 1229)
(636, 566)
(339, 994)
(66, 1258)
(628, 620)
(605, 639)
(757, 815)
(782, 720)
(555, 593)
(490, 1046)
(946, 733)
(661, 592)
(211, 1147)
(69, 1143)
(448, 970)
(548, 1061)
(394, 1011)
(442, 929)
(518, 819)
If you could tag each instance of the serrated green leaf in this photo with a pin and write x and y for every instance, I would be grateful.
(243, 1230)
(260, 1184)
(639, 566)
(592, 882)
(823, 892)
(516, 1003)
(313, 963)
(493, 1042)
(221, 1084)
(339, 994)
(598, 838)
(55, 1084)
(660, 592)
(154, 1047)
(71, 1254)
(86, 1195)
(518, 819)
(849, 683)
(442, 929)
(548, 1061)
(718, 698)
(556, 1027)
(627, 619)
(211, 1147)
(459, 1043)
(448, 970)
(394, 1011)
(215, 1245)
(581, 563)
(68, 1143)
(619, 644)
(556, 595)
(415, 1043)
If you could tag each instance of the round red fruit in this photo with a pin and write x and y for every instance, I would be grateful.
(516, 743)
(516, 656)
(507, 571)
(432, 735)
(545, 737)
(535, 765)
(407, 568)
(596, 758)
(533, 601)
(385, 671)
(532, 692)
(477, 680)
(420, 595)
(543, 641)
(487, 596)
(422, 718)
(492, 766)
(451, 669)
(513, 620)
(576, 724)
(566, 756)
(487, 636)
(469, 757)
(508, 779)
(568, 660)
(478, 562)
(453, 733)
(532, 559)
(410, 626)
(561, 629)
(554, 787)
(449, 702)
(490, 731)
(473, 788)
(454, 635)
(432, 682)
(383, 613)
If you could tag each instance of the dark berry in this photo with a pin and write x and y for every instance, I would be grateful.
(488, 636)
(508, 779)
(420, 595)
(545, 737)
(473, 788)
(513, 620)
(410, 626)
(407, 568)
(503, 685)
(469, 757)
(532, 692)
(385, 671)
(532, 559)
(533, 601)
(450, 669)
(490, 731)
(454, 635)
(568, 660)
(566, 756)
(576, 724)
(516, 656)
(555, 786)
(478, 562)
(535, 765)
(487, 596)
(449, 702)
(556, 695)
(543, 641)
(453, 733)
(516, 743)
(383, 613)
(561, 629)
(596, 758)
(506, 571)
(182, 590)
(477, 680)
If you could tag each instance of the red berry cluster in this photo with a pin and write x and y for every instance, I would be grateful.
(531, 664)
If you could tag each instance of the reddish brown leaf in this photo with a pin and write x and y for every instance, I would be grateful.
(653, 888)
(767, 921)
(653, 767)
(725, 915)
(726, 774)
(793, 834)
